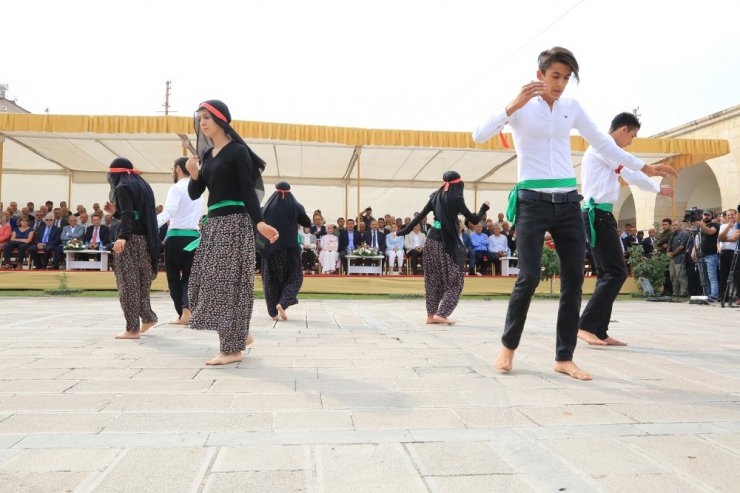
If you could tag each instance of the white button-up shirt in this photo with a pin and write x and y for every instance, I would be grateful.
(180, 210)
(542, 139)
(600, 180)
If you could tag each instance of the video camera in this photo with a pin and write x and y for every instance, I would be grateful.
(692, 215)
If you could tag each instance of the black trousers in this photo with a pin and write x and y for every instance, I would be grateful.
(413, 256)
(178, 263)
(611, 272)
(565, 224)
(725, 262)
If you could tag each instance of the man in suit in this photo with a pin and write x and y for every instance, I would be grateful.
(349, 239)
(375, 238)
(48, 239)
(97, 235)
(317, 228)
(112, 224)
(59, 220)
(630, 239)
(648, 244)
(72, 231)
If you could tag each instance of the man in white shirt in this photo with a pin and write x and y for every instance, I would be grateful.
(183, 215)
(546, 199)
(498, 246)
(727, 243)
(414, 244)
(600, 184)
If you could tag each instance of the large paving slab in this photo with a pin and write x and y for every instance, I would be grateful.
(363, 396)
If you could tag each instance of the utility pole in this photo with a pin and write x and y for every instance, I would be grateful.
(168, 86)
(636, 112)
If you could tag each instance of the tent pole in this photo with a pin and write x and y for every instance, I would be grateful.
(673, 199)
(358, 192)
(475, 198)
(2, 143)
(346, 200)
(69, 190)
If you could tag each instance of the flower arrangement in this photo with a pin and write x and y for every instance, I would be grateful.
(74, 244)
(365, 251)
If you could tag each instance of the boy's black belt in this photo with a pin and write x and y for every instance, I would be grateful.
(554, 198)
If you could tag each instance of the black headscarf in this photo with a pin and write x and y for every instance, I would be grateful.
(221, 115)
(283, 212)
(446, 209)
(121, 174)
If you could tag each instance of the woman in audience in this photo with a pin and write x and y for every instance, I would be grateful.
(221, 290)
(5, 230)
(329, 253)
(308, 248)
(394, 248)
(282, 275)
(21, 238)
(444, 253)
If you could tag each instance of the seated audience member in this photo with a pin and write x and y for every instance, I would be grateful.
(37, 222)
(374, 238)
(464, 236)
(72, 231)
(112, 224)
(30, 206)
(97, 236)
(500, 220)
(22, 239)
(425, 226)
(6, 231)
(478, 254)
(489, 227)
(414, 243)
(361, 228)
(308, 248)
(340, 225)
(317, 228)
(84, 220)
(498, 246)
(329, 251)
(349, 240)
(46, 244)
(367, 217)
(60, 220)
(382, 226)
(399, 222)
(49, 206)
(648, 244)
(394, 249)
(80, 210)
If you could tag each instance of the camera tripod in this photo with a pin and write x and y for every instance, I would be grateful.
(701, 266)
(730, 286)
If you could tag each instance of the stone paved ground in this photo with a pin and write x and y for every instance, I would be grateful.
(361, 396)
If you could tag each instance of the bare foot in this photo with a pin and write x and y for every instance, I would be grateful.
(128, 335)
(442, 320)
(281, 312)
(430, 319)
(185, 318)
(570, 368)
(505, 360)
(610, 341)
(177, 320)
(147, 326)
(590, 338)
(225, 359)
(250, 339)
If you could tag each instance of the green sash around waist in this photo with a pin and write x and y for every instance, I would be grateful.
(591, 207)
(550, 183)
(193, 233)
(437, 225)
(224, 203)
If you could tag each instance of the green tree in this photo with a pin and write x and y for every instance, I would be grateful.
(652, 268)
(550, 265)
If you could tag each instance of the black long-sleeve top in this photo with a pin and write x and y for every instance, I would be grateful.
(228, 176)
(125, 211)
(435, 233)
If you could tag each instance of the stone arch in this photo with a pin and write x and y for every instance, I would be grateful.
(624, 209)
(696, 185)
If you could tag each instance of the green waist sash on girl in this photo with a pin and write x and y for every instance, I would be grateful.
(224, 203)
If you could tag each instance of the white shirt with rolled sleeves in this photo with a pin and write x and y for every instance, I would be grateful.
(180, 210)
(600, 180)
(542, 139)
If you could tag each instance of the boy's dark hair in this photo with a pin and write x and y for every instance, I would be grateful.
(667, 220)
(625, 120)
(558, 54)
(180, 163)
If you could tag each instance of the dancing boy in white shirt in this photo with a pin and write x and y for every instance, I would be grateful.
(183, 215)
(600, 184)
(546, 199)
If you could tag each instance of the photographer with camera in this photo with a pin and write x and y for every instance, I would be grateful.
(728, 235)
(707, 256)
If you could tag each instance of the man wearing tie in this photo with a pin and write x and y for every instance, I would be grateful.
(59, 220)
(349, 239)
(374, 238)
(648, 244)
(97, 236)
(49, 238)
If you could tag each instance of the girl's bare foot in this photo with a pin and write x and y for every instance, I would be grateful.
(281, 312)
(225, 359)
(430, 319)
(185, 318)
(610, 341)
(590, 338)
(438, 319)
(128, 335)
(250, 339)
(177, 320)
(147, 326)
(505, 360)
(569, 368)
